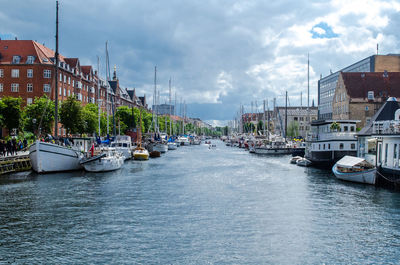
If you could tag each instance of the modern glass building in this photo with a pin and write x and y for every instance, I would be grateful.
(327, 85)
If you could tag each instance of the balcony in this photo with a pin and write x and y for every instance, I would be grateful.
(331, 136)
(386, 127)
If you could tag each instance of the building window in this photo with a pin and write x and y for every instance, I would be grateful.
(345, 128)
(14, 87)
(16, 59)
(29, 87)
(65, 92)
(29, 73)
(29, 101)
(370, 95)
(1, 87)
(46, 88)
(65, 79)
(47, 73)
(341, 146)
(353, 146)
(1, 72)
(60, 91)
(69, 93)
(30, 59)
(69, 80)
(60, 77)
(15, 73)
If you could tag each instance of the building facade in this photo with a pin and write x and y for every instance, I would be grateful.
(299, 116)
(163, 109)
(327, 85)
(27, 70)
(358, 96)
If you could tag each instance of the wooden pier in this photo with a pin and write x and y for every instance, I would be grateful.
(16, 163)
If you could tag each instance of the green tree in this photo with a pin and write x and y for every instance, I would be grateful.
(90, 118)
(11, 113)
(39, 113)
(71, 116)
(293, 129)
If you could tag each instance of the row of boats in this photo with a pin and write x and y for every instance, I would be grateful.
(86, 153)
(348, 168)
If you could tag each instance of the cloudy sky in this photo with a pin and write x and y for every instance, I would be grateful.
(219, 54)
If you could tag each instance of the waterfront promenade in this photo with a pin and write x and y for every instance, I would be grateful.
(197, 206)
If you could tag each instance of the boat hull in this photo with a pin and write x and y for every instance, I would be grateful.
(48, 157)
(172, 146)
(141, 155)
(162, 148)
(104, 164)
(367, 176)
(272, 151)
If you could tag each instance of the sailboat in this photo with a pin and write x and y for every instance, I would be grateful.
(171, 141)
(51, 157)
(140, 153)
(158, 145)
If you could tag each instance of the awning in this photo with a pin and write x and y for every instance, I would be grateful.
(351, 161)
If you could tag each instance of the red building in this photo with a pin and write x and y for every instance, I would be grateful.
(27, 71)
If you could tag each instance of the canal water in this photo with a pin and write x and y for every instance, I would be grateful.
(197, 206)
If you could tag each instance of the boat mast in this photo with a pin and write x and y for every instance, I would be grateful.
(264, 117)
(56, 79)
(286, 117)
(108, 79)
(98, 91)
(170, 108)
(267, 121)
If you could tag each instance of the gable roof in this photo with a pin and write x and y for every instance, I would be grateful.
(382, 84)
(386, 112)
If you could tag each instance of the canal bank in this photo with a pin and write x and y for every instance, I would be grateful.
(196, 206)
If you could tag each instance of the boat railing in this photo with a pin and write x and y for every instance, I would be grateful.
(331, 136)
(386, 127)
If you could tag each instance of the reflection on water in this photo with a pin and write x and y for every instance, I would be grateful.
(197, 206)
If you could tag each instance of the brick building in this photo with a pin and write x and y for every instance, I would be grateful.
(359, 95)
(27, 71)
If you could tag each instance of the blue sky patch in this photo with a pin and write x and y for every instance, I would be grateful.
(6, 36)
(323, 31)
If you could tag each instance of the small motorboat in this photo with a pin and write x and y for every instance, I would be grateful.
(355, 169)
(294, 159)
(303, 162)
(108, 160)
(172, 146)
(154, 154)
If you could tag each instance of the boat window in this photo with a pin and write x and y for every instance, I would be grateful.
(353, 146)
(341, 146)
(324, 146)
(329, 146)
(380, 153)
(319, 147)
(124, 145)
(395, 155)
(352, 128)
(386, 153)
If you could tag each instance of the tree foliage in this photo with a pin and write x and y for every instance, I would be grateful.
(39, 113)
(11, 113)
(71, 115)
(293, 129)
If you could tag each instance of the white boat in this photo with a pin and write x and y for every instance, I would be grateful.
(123, 144)
(355, 169)
(303, 162)
(160, 147)
(273, 148)
(49, 157)
(184, 140)
(172, 146)
(294, 159)
(110, 159)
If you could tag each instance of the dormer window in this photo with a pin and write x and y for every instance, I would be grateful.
(16, 59)
(370, 95)
(30, 59)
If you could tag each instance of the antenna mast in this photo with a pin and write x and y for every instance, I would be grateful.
(56, 79)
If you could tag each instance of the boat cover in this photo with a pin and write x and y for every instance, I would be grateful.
(351, 161)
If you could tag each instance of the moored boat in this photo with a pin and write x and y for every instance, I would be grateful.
(108, 160)
(355, 169)
(303, 162)
(294, 159)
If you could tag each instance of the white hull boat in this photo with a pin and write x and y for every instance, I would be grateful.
(172, 146)
(48, 157)
(107, 161)
(123, 145)
(303, 162)
(160, 147)
(355, 169)
(294, 159)
(141, 154)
